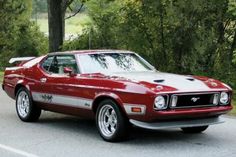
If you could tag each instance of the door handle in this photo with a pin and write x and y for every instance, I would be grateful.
(43, 80)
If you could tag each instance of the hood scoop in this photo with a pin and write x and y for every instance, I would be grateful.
(190, 79)
(158, 81)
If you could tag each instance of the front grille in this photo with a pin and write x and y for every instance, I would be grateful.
(194, 100)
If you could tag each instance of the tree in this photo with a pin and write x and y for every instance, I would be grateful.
(56, 22)
(18, 35)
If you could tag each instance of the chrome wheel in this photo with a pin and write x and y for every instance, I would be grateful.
(26, 110)
(111, 122)
(23, 104)
(107, 120)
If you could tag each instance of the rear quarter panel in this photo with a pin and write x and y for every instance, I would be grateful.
(12, 77)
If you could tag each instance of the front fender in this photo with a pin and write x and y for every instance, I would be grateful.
(107, 95)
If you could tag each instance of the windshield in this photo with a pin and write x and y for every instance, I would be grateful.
(112, 63)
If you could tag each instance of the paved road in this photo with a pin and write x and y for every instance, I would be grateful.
(57, 135)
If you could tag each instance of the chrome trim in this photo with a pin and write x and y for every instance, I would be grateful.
(129, 111)
(196, 91)
(176, 107)
(146, 62)
(152, 68)
(43, 80)
(171, 105)
(193, 106)
(177, 124)
(167, 102)
(217, 98)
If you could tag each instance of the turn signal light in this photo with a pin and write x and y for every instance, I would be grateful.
(136, 109)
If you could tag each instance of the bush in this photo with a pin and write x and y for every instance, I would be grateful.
(28, 41)
(18, 35)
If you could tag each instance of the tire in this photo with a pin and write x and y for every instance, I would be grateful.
(25, 108)
(193, 130)
(111, 123)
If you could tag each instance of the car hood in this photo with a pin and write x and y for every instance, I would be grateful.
(175, 81)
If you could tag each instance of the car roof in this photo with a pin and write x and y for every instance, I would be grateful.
(90, 52)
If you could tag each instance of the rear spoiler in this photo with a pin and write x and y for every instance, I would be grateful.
(20, 59)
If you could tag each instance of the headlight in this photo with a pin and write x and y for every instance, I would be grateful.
(160, 103)
(224, 98)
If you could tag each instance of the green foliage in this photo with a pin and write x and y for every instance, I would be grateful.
(233, 112)
(75, 5)
(185, 36)
(99, 33)
(18, 35)
(30, 41)
(1, 76)
(39, 6)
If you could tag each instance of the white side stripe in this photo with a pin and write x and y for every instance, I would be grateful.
(17, 151)
(62, 100)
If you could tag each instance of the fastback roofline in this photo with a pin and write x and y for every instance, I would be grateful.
(90, 52)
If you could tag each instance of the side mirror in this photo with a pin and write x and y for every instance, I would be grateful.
(68, 70)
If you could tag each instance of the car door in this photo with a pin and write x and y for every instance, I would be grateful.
(61, 88)
(60, 83)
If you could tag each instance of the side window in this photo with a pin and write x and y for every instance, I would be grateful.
(54, 66)
(47, 63)
(62, 61)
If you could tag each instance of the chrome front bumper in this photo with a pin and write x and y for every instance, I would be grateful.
(177, 124)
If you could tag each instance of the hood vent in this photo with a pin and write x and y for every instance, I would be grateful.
(158, 81)
(190, 79)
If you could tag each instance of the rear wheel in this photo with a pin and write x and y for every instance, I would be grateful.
(111, 123)
(25, 108)
(198, 129)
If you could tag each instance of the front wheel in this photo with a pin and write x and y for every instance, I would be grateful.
(111, 123)
(25, 108)
(198, 129)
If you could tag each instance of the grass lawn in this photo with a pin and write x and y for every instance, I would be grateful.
(233, 112)
(73, 25)
(1, 76)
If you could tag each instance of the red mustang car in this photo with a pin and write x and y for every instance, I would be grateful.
(117, 88)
